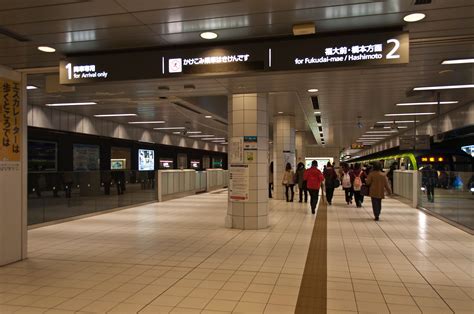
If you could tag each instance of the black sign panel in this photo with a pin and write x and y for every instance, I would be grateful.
(292, 54)
(361, 49)
(110, 67)
(216, 60)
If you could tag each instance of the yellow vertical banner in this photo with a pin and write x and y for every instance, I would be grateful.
(10, 125)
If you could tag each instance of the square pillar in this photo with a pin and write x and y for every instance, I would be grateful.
(248, 119)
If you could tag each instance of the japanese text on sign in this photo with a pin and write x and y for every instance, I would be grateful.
(10, 125)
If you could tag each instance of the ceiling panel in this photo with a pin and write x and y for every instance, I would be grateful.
(344, 93)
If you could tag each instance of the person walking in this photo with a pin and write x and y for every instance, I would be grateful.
(346, 183)
(300, 169)
(429, 179)
(314, 178)
(377, 183)
(357, 180)
(289, 182)
(330, 182)
(391, 172)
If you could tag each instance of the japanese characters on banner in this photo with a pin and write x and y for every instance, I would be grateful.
(10, 125)
(239, 183)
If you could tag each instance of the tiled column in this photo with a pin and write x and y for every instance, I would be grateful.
(248, 117)
(283, 150)
(13, 167)
(300, 144)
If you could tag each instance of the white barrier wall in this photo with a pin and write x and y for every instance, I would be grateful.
(179, 183)
(175, 183)
(216, 179)
(405, 184)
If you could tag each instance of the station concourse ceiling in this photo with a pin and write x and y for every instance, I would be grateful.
(78, 26)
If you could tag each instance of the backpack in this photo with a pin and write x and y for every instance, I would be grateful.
(357, 182)
(346, 180)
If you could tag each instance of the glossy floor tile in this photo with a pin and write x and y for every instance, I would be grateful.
(177, 257)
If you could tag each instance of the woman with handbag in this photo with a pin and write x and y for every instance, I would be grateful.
(289, 182)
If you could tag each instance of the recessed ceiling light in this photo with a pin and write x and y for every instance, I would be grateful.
(280, 112)
(72, 104)
(410, 114)
(422, 88)
(375, 132)
(202, 135)
(115, 115)
(313, 90)
(398, 121)
(458, 61)
(414, 17)
(317, 112)
(208, 117)
(171, 128)
(208, 35)
(31, 87)
(146, 122)
(194, 132)
(46, 49)
(427, 103)
(176, 132)
(398, 127)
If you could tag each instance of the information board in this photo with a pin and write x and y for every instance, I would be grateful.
(239, 182)
(10, 125)
(298, 53)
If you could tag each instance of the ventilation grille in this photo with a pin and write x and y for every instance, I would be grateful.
(418, 2)
(315, 102)
(318, 119)
(320, 129)
(13, 35)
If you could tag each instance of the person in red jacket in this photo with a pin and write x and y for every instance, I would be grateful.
(313, 178)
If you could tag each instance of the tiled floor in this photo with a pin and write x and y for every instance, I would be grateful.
(408, 262)
(177, 257)
(174, 257)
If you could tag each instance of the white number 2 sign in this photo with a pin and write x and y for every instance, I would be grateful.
(392, 53)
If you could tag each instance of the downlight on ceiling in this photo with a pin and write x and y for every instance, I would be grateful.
(46, 49)
(208, 35)
(458, 61)
(208, 117)
(89, 103)
(313, 90)
(30, 87)
(414, 17)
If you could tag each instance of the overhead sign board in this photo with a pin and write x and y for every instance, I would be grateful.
(418, 142)
(375, 48)
(359, 49)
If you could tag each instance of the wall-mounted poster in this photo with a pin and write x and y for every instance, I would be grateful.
(322, 161)
(118, 164)
(86, 157)
(217, 162)
(42, 156)
(166, 163)
(146, 160)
